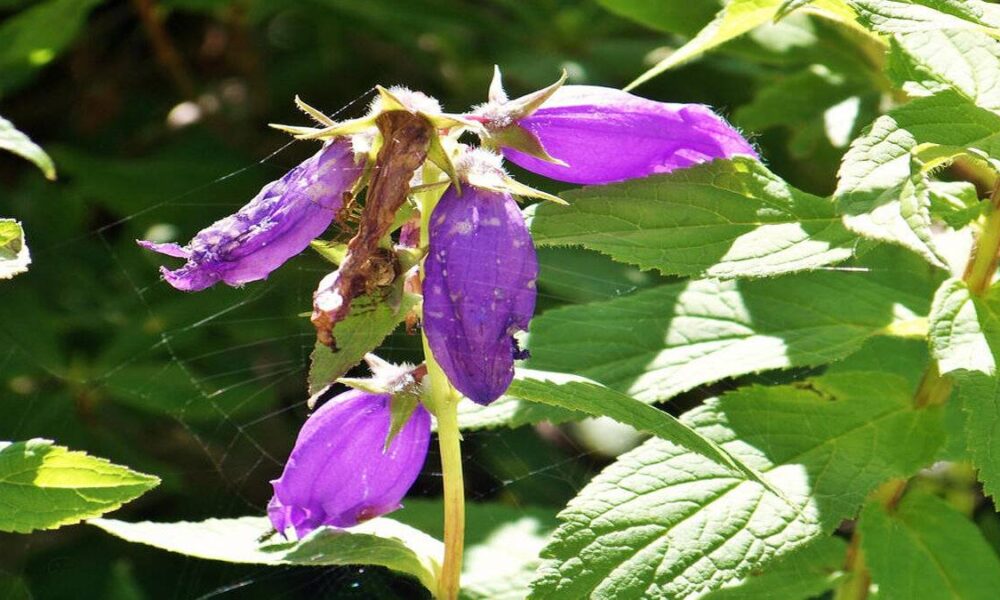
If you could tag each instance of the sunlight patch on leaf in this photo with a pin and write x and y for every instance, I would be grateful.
(664, 522)
(724, 219)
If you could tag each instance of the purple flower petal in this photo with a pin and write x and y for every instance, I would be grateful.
(606, 135)
(479, 289)
(338, 473)
(276, 225)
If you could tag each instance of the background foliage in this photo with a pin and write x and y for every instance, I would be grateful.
(154, 114)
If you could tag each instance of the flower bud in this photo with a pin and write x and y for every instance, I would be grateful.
(275, 226)
(340, 472)
(479, 289)
(605, 135)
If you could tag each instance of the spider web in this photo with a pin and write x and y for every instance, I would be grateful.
(217, 388)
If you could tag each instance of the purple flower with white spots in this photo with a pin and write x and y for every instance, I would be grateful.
(604, 135)
(276, 225)
(479, 288)
(340, 472)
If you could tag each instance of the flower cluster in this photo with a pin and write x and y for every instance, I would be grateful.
(357, 456)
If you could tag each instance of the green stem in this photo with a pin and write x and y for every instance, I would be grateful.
(449, 441)
(442, 400)
(982, 264)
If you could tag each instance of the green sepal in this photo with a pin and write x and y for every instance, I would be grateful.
(331, 251)
(522, 107)
(518, 138)
(401, 408)
(439, 155)
(315, 113)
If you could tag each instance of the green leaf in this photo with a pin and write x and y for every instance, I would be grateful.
(371, 320)
(735, 19)
(685, 18)
(979, 396)
(660, 342)
(902, 16)
(882, 188)
(14, 141)
(383, 542)
(926, 549)
(502, 544)
(35, 36)
(596, 400)
(804, 574)
(930, 61)
(43, 486)
(727, 218)
(813, 103)
(665, 522)
(14, 255)
(955, 202)
(962, 328)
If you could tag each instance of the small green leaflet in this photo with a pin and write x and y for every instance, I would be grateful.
(958, 329)
(383, 542)
(926, 62)
(660, 342)
(14, 255)
(664, 522)
(43, 486)
(14, 141)
(926, 549)
(901, 16)
(724, 219)
(369, 322)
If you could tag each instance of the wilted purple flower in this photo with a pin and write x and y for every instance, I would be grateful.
(276, 225)
(479, 289)
(339, 472)
(606, 135)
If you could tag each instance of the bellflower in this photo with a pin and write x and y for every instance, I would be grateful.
(479, 284)
(275, 226)
(599, 135)
(340, 473)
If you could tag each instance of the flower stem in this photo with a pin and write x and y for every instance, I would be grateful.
(442, 400)
(454, 499)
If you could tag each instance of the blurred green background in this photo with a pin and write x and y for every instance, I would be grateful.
(156, 115)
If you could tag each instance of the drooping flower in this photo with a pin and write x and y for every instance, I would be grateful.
(479, 286)
(603, 135)
(273, 227)
(340, 473)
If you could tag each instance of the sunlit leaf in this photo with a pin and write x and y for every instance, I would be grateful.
(43, 486)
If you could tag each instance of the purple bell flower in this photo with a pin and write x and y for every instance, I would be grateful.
(275, 226)
(339, 472)
(605, 135)
(479, 289)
